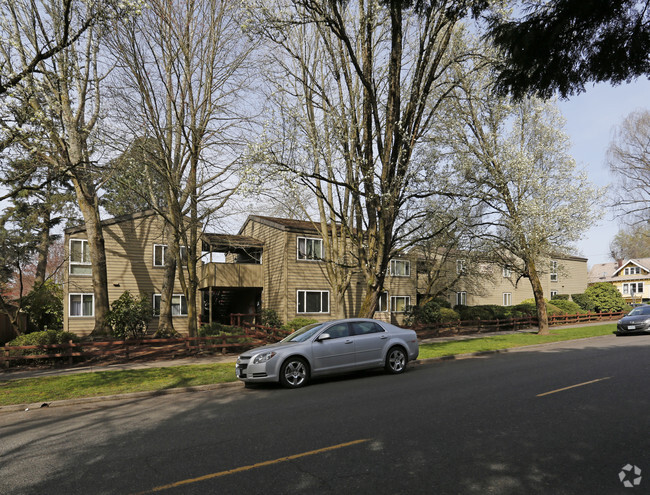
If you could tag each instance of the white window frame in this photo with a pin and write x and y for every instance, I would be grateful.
(179, 305)
(554, 276)
(632, 270)
(461, 298)
(382, 302)
(507, 299)
(305, 256)
(163, 256)
(507, 272)
(637, 286)
(301, 297)
(460, 267)
(393, 303)
(553, 294)
(396, 262)
(83, 295)
(85, 254)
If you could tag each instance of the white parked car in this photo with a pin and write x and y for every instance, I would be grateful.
(333, 347)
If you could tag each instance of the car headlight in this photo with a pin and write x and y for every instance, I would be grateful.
(263, 357)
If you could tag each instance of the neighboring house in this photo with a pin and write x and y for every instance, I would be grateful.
(631, 277)
(272, 263)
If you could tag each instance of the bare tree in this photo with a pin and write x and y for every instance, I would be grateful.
(358, 85)
(54, 107)
(180, 84)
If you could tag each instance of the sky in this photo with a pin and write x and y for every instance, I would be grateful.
(590, 121)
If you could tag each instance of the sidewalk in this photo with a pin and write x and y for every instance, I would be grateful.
(217, 358)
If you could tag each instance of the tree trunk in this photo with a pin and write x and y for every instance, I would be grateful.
(90, 210)
(43, 246)
(538, 292)
(165, 321)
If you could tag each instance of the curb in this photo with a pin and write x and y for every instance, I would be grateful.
(216, 386)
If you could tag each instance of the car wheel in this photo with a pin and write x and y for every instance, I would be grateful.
(294, 373)
(396, 360)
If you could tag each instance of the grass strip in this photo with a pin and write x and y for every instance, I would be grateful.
(499, 342)
(100, 383)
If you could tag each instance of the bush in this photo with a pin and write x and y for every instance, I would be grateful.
(46, 337)
(584, 301)
(425, 314)
(569, 307)
(560, 297)
(44, 306)
(551, 308)
(605, 297)
(270, 318)
(296, 323)
(218, 329)
(128, 316)
(448, 315)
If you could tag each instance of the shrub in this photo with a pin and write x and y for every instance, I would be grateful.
(605, 297)
(218, 329)
(128, 316)
(584, 301)
(270, 318)
(425, 314)
(448, 315)
(568, 307)
(551, 308)
(296, 323)
(46, 337)
(44, 305)
(560, 297)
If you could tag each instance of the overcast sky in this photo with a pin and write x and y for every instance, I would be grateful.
(591, 118)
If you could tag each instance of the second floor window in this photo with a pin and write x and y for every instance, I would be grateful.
(160, 254)
(80, 257)
(632, 270)
(310, 248)
(553, 271)
(507, 272)
(400, 268)
(460, 267)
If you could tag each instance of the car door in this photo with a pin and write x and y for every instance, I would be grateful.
(335, 354)
(369, 341)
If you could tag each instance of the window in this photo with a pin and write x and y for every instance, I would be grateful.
(399, 304)
(461, 298)
(633, 288)
(400, 268)
(460, 266)
(82, 305)
(160, 254)
(382, 303)
(313, 301)
(365, 327)
(553, 294)
(179, 305)
(507, 298)
(507, 272)
(553, 271)
(339, 330)
(80, 257)
(310, 249)
(632, 270)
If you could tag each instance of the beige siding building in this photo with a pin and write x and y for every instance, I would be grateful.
(272, 263)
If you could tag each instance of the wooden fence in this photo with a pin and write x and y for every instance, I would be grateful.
(512, 324)
(253, 336)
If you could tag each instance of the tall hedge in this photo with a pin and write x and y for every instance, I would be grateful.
(605, 297)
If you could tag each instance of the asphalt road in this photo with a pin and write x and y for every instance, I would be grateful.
(506, 423)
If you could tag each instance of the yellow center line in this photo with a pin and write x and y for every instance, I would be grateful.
(573, 386)
(252, 466)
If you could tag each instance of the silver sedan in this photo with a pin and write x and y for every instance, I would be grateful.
(329, 348)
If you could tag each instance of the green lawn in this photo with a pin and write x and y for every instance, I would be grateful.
(498, 342)
(31, 390)
(47, 389)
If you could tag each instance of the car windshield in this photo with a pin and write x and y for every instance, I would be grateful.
(304, 333)
(641, 310)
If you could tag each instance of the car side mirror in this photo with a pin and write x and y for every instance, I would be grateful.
(323, 336)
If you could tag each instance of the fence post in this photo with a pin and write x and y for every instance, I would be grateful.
(70, 352)
(126, 349)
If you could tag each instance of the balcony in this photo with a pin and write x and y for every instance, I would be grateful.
(230, 275)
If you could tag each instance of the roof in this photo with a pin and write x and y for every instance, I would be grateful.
(111, 221)
(610, 272)
(286, 224)
(230, 242)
